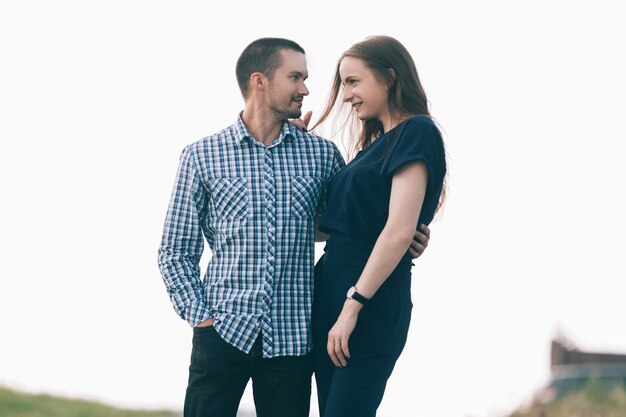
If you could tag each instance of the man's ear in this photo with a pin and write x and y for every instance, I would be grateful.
(257, 80)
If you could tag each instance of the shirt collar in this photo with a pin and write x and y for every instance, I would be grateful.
(287, 132)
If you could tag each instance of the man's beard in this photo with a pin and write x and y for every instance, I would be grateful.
(284, 113)
(293, 114)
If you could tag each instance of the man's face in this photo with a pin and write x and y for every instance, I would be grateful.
(287, 89)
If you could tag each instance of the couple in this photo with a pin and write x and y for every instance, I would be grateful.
(261, 192)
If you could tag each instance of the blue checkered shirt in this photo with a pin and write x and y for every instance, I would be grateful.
(256, 206)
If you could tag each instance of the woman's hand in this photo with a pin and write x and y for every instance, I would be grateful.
(302, 124)
(339, 335)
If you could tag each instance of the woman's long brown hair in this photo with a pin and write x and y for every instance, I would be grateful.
(406, 99)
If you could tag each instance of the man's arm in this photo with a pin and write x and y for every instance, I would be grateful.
(337, 164)
(182, 243)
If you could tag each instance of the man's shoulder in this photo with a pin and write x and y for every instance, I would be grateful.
(214, 140)
(314, 139)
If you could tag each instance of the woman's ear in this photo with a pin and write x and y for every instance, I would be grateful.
(392, 74)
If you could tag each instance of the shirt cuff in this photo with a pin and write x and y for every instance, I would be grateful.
(197, 312)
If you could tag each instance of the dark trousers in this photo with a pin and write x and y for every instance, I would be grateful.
(354, 391)
(219, 373)
(376, 342)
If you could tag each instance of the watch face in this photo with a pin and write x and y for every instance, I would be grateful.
(351, 291)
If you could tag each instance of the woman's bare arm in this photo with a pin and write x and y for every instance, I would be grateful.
(408, 190)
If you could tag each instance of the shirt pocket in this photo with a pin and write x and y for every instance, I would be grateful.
(305, 193)
(229, 197)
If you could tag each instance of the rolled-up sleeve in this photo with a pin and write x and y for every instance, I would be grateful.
(420, 141)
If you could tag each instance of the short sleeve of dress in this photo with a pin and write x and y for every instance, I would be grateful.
(418, 140)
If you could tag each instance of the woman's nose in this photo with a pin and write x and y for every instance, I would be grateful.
(347, 95)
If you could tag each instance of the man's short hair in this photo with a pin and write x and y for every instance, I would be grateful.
(262, 55)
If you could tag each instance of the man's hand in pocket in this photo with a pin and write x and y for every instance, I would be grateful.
(206, 323)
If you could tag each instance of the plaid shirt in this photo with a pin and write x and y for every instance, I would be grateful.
(256, 206)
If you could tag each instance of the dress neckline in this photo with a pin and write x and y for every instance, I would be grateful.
(383, 136)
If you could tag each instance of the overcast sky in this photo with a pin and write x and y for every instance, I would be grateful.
(97, 100)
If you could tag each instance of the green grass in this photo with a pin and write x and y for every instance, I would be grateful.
(20, 404)
(590, 402)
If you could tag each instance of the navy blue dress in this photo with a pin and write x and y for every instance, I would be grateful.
(356, 213)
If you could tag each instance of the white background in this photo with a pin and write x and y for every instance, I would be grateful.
(97, 100)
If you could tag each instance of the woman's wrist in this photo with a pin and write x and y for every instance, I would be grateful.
(352, 307)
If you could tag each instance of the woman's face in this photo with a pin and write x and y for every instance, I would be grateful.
(367, 95)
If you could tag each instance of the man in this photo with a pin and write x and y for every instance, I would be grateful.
(254, 191)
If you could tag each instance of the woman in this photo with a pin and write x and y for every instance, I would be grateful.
(362, 305)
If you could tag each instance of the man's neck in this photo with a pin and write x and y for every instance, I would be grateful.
(262, 124)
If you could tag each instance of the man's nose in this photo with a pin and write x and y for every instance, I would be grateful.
(304, 91)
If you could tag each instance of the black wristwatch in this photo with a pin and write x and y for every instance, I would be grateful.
(352, 293)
